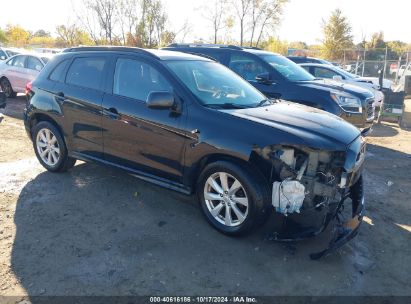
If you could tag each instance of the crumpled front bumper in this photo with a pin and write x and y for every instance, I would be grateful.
(312, 223)
(345, 231)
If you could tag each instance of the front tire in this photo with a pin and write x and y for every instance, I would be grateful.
(233, 198)
(50, 148)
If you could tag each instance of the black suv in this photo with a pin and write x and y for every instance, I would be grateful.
(278, 77)
(190, 124)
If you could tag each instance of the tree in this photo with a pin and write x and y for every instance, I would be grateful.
(265, 15)
(214, 13)
(41, 33)
(337, 35)
(104, 11)
(71, 35)
(242, 9)
(3, 38)
(17, 36)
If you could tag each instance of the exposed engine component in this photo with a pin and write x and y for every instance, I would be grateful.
(288, 196)
(307, 179)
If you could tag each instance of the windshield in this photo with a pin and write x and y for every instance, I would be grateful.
(215, 85)
(287, 68)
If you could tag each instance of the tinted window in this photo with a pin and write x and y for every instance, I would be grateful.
(246, 66)
(324, 73)
(34, 64)
(18, 61)
(58, 73)
(86, 72)
(2, 55)
(287, 68)
(136, 79)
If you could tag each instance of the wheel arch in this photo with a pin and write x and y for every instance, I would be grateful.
(39, 117)
(194, 173)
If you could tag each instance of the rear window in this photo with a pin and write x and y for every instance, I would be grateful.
(86, 72)
(58, 73)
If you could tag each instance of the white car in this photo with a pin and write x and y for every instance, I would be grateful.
(338, 74)
(6, 53)
(19, 70)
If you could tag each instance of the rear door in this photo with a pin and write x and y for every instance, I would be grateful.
(16, 72)
(80, 96)
(33, 68)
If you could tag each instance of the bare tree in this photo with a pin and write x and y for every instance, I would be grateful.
(214, 13)
(182, 33)
(242, 9)
(105, 13)
(269, 15)
(127, 13)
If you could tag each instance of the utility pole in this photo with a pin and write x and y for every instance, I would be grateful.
(385, 60)
(363, 63)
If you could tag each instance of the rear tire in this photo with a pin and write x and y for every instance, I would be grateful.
(50, 148)
(7, 88)
(234, 199)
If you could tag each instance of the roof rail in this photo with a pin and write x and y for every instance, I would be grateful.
(251, 48)
(233, 47)
(110, 48)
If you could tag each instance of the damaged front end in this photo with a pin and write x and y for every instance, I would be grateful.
(311, 188)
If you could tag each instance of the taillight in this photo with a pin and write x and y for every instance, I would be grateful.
(29, 86)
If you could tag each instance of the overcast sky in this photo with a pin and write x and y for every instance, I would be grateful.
(301, 20)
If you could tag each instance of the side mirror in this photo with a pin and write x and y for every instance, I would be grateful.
(337, 78)
(3, 57)
(264, 78)
(160, 100)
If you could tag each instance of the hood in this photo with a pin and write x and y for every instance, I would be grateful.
(386, 83)
(315, 128)
(331, 85)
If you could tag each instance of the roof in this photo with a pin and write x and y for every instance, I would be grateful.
(154, 53)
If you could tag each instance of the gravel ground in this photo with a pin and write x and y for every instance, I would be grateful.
(99, 231)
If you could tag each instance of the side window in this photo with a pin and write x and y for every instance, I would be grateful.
(307, 68)
(136, 79)
(58, 73)
(324, 73)
(19, 61)
(34, 64)
(246, 66)
(10, 62)
(86, 72)
(3, 55)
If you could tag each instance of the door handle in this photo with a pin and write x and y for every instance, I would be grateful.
(111, 113)
(59, 96)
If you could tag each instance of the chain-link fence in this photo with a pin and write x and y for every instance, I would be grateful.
(368, 62)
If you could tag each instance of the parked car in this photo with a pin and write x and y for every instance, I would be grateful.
(190, 124)
(278, 77)
(6, 53)
(324, 71)
(19, 70)
(303, 59)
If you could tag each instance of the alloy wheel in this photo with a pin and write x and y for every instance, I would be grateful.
(226, 199)
(48, 147)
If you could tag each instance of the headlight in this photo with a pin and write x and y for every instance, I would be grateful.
(347, 102)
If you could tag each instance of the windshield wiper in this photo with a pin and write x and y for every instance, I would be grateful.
(226, 105)
(270, 101)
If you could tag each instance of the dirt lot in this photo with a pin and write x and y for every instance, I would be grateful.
(99, 231)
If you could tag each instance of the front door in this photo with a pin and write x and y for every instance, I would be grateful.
(135, 136)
